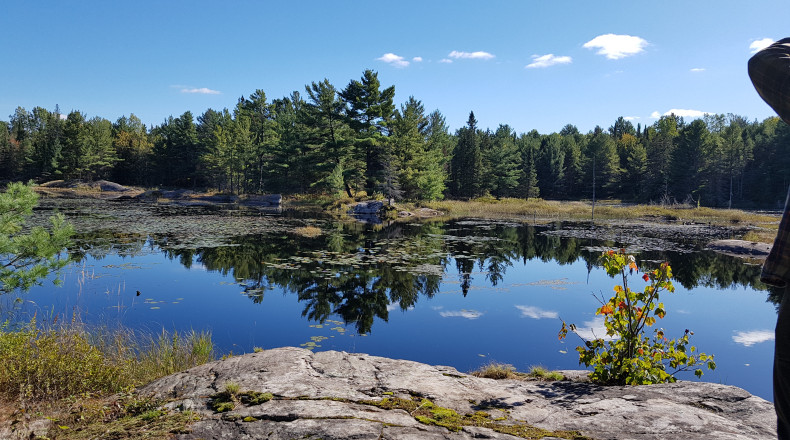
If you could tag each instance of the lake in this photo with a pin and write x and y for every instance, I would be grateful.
(461, 293)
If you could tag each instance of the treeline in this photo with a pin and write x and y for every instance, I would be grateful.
(356, 139)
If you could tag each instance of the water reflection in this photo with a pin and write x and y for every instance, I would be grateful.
(362, 273)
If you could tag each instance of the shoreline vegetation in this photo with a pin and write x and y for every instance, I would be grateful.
(760, 226)
(81, 378)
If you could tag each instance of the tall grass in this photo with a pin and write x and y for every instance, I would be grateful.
(539, 209)
(51, 362)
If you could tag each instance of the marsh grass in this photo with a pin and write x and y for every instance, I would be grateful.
(540, 209)
(308, 231)
(51, 362)
(542, 373)
(499, 371)
(762, 235)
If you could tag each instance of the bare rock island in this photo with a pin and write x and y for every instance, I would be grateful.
(291, 392)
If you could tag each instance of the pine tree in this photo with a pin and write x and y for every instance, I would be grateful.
(505, 163)
(529, 145)
(27, 258)
(369, 110)
(466, 165)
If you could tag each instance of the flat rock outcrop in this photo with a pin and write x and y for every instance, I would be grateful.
(741, 248)
(334, 395)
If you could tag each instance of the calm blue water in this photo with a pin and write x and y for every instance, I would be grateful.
(451, 294)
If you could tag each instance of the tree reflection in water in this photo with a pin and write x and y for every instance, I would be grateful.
(359, 272)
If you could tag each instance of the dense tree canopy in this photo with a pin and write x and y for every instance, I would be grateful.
(357, 139)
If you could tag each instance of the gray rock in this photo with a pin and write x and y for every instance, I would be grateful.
(741, 248)
(319, 395)
(263, 200)
(366, 208)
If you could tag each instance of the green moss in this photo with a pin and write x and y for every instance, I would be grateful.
(427, 412)
(393, 403)
(255, 397)
(222, 406)
(249, 419)
(226, 400)
(151, 415)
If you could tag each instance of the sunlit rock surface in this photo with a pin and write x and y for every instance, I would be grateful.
(318, 395)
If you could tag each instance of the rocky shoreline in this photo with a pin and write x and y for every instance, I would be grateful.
(338, 395)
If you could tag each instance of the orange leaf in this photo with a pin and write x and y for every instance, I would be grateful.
(606, 310)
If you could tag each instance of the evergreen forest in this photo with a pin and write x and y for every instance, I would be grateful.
(325, 140)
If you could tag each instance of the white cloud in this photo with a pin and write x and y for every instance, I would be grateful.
(616, 46)
(536, 313)
(547, 60)
(758, 45)
(446, 61)
(479, 55)
(698, 69)
(417, 59)
(395, 60)
(590, 330)
(468, 314)
(201, 91)
(631, 118)
(747, 339)
(682, 112)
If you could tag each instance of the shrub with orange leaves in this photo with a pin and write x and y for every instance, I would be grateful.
(628, 356)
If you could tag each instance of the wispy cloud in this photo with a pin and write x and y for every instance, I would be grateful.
(536, 313)
(593, 329)
(698, 69)
(417, 59)
(615, 46)
(201, 91)
(446, 61)
(631, 118)
(758, 45)
(468, 314)
(395, 60)
(548, 60)
(682, 112)
(479, 55)
(747, 339)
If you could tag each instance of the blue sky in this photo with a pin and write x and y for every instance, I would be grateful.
(592, 61)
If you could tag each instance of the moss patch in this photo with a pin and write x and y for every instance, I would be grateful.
(425, 411)
(227, 400)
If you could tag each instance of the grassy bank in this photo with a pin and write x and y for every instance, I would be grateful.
(78, 377)
(604, 210)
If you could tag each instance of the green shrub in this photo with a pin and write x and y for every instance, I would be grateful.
(629, 356)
